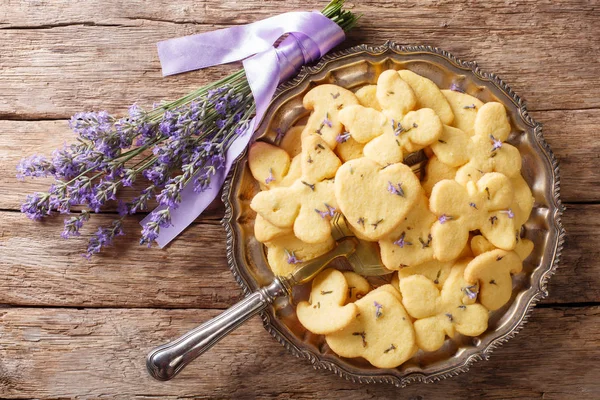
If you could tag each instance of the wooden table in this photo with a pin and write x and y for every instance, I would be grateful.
(72, 328)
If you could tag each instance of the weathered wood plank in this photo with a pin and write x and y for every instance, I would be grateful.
(40, 268)
(571, 134)
(67, 63)
(91, 353)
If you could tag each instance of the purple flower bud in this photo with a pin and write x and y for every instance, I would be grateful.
(73, 224)
(327, 121)
(103, 237)
(291, 257)
(158, 219)
(378, 309)
(36, 205)
(455, 87)
(342, 137)
(509, 213)
(444, 218)
(329, 212)
(496, 144)
(395, 190)
(401, 242)
(270, 178)
(35, 167)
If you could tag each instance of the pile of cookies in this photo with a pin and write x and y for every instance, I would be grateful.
(452, 239)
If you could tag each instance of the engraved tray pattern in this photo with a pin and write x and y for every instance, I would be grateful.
(357, 66)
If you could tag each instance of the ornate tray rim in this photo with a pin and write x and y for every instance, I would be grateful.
(556, 207)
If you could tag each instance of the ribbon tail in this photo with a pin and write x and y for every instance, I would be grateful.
(263, 86)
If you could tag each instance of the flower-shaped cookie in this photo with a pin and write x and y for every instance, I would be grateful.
(410, 243)
(304, 206)
(441, 313)
(493, 270)
(414, 132)
(327, 311)
(326, 101)
(375, 200)
(382, 333)
(478, 206)
(484, 151)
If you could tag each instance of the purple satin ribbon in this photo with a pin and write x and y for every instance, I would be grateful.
(311, 35)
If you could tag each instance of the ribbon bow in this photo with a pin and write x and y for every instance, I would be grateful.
(311, 35)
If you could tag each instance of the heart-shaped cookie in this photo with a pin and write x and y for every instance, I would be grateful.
(373, 198)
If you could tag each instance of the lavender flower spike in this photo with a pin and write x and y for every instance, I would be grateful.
(270, 178)
(401, 242)
(342, 137)
(456, 88)
(378, 309)
(291, 257)
(327, 121)
(329, 212)
(395, 190)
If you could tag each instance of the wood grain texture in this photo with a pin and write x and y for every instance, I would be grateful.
(192, 271)
(575, 147)
(70, 328)
(44, 351)
(69, 56)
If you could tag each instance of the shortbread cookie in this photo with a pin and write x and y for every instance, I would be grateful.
(362, 123)
(293, 174)
(464, 107)
(326, 311)
(307, 207)
(453, 147)
(382, 333)
(442, 313)
(285, 253)
(367, 96)
(326, 101)
(523, 200)
(358, 286)
(482, 206)
(268, 164)
(395, 96)
(434, 270)
(410, 243)
(482, 152)
(492, 270)
(480, 245)
(375, 200)
(318, 160)
(436, 171)
(292, 140)
(428, 95)
(348, 148)
(414, 132)
(264, 231)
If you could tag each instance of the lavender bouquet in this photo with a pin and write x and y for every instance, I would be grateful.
(175, 144)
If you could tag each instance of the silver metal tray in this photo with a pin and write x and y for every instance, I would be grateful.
(354, 68)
